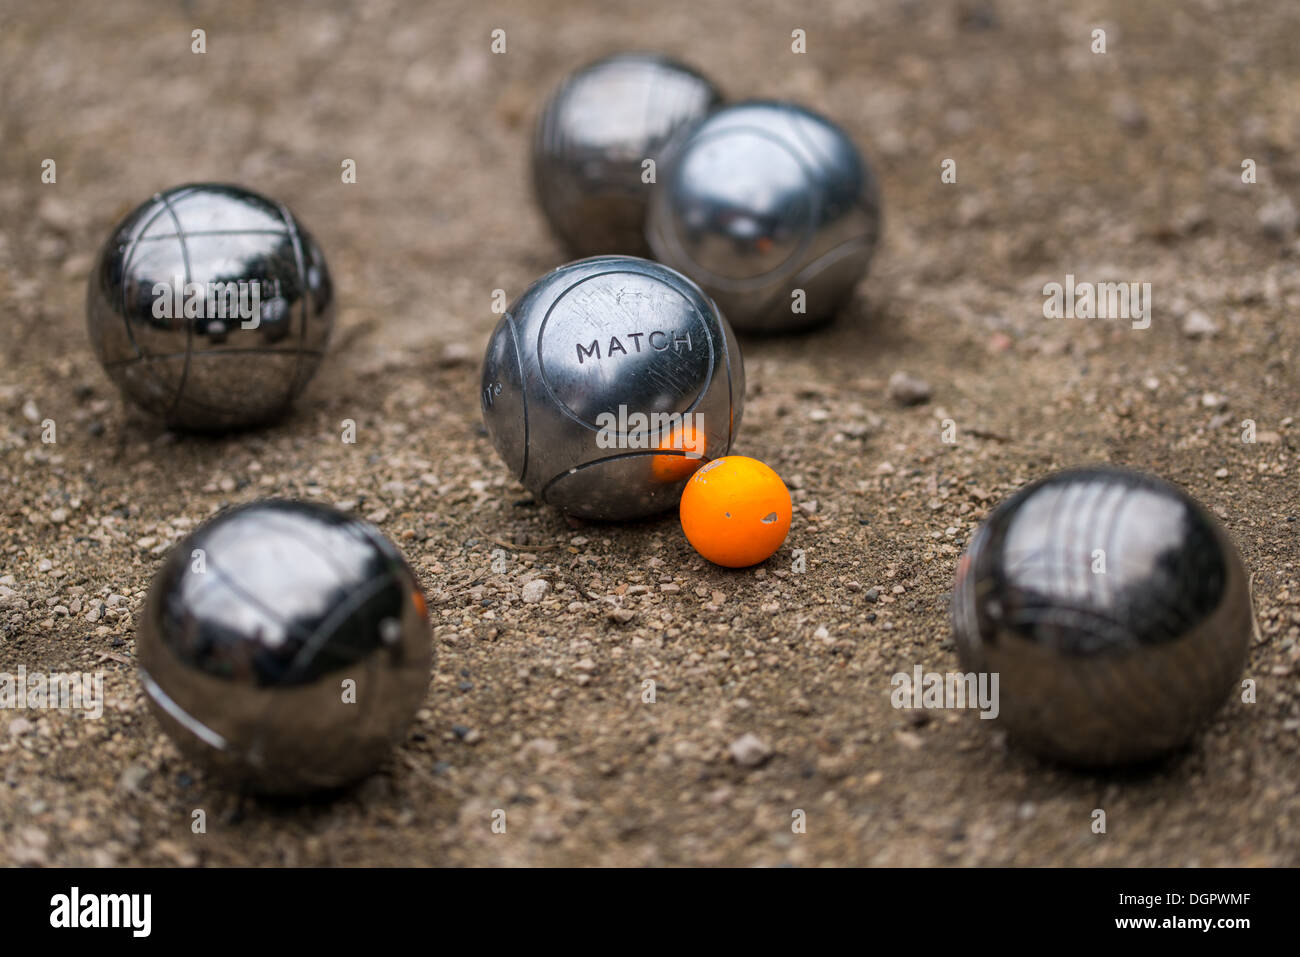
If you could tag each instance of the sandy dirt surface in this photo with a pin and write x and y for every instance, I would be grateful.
(1125, 166)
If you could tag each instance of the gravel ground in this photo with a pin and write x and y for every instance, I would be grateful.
(772, 683)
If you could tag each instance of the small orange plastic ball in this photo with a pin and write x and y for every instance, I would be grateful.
(736, 511)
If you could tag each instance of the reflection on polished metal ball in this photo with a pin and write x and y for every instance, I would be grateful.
(771, 209)
(593, 138)
(285, 647)
(210, 306)
(1114, 609)
(608, 383)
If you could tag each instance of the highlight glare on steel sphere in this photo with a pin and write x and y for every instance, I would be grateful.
(771, 209)
(607, 383)
(285, 647)
(210, 306)
(593, 137)
(1114, 609)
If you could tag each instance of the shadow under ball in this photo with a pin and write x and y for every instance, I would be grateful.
(250, 631)
(763, 199)
(1114, 609)
(592, 137)
(215, 355)
(584, 350)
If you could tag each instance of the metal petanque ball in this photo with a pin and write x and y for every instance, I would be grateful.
(593, 137)
(607, 383)
(771, 209)
(1114, 609)
(210, 307)
(285, 647)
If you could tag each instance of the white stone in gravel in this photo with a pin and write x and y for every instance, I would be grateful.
(907, 389)
(19, 726)
(541, 746)
(29, 847)
(1277, 219)
(749, 751)
(455, 354)
(535, 591)
(134, 777)
(1197, 325)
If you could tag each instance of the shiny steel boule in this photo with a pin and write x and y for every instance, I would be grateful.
(607, 383)
(771, 209)
(1114, 609)
(593, 137)
(210, 307)
(258, 626)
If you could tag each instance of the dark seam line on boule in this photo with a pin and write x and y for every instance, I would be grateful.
(189, 326)
(119, 363)
(614, 458)
(523, 388)
(321, 634)
(126, 271)
(296, 239)
(201, 233)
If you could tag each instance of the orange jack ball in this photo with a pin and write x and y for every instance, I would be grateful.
(736, 511)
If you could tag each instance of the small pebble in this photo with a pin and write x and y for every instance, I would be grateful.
(134, 777)
(1197, 325)
(907, 389)
(19, 726)
(749, 751)
(1277, 218)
